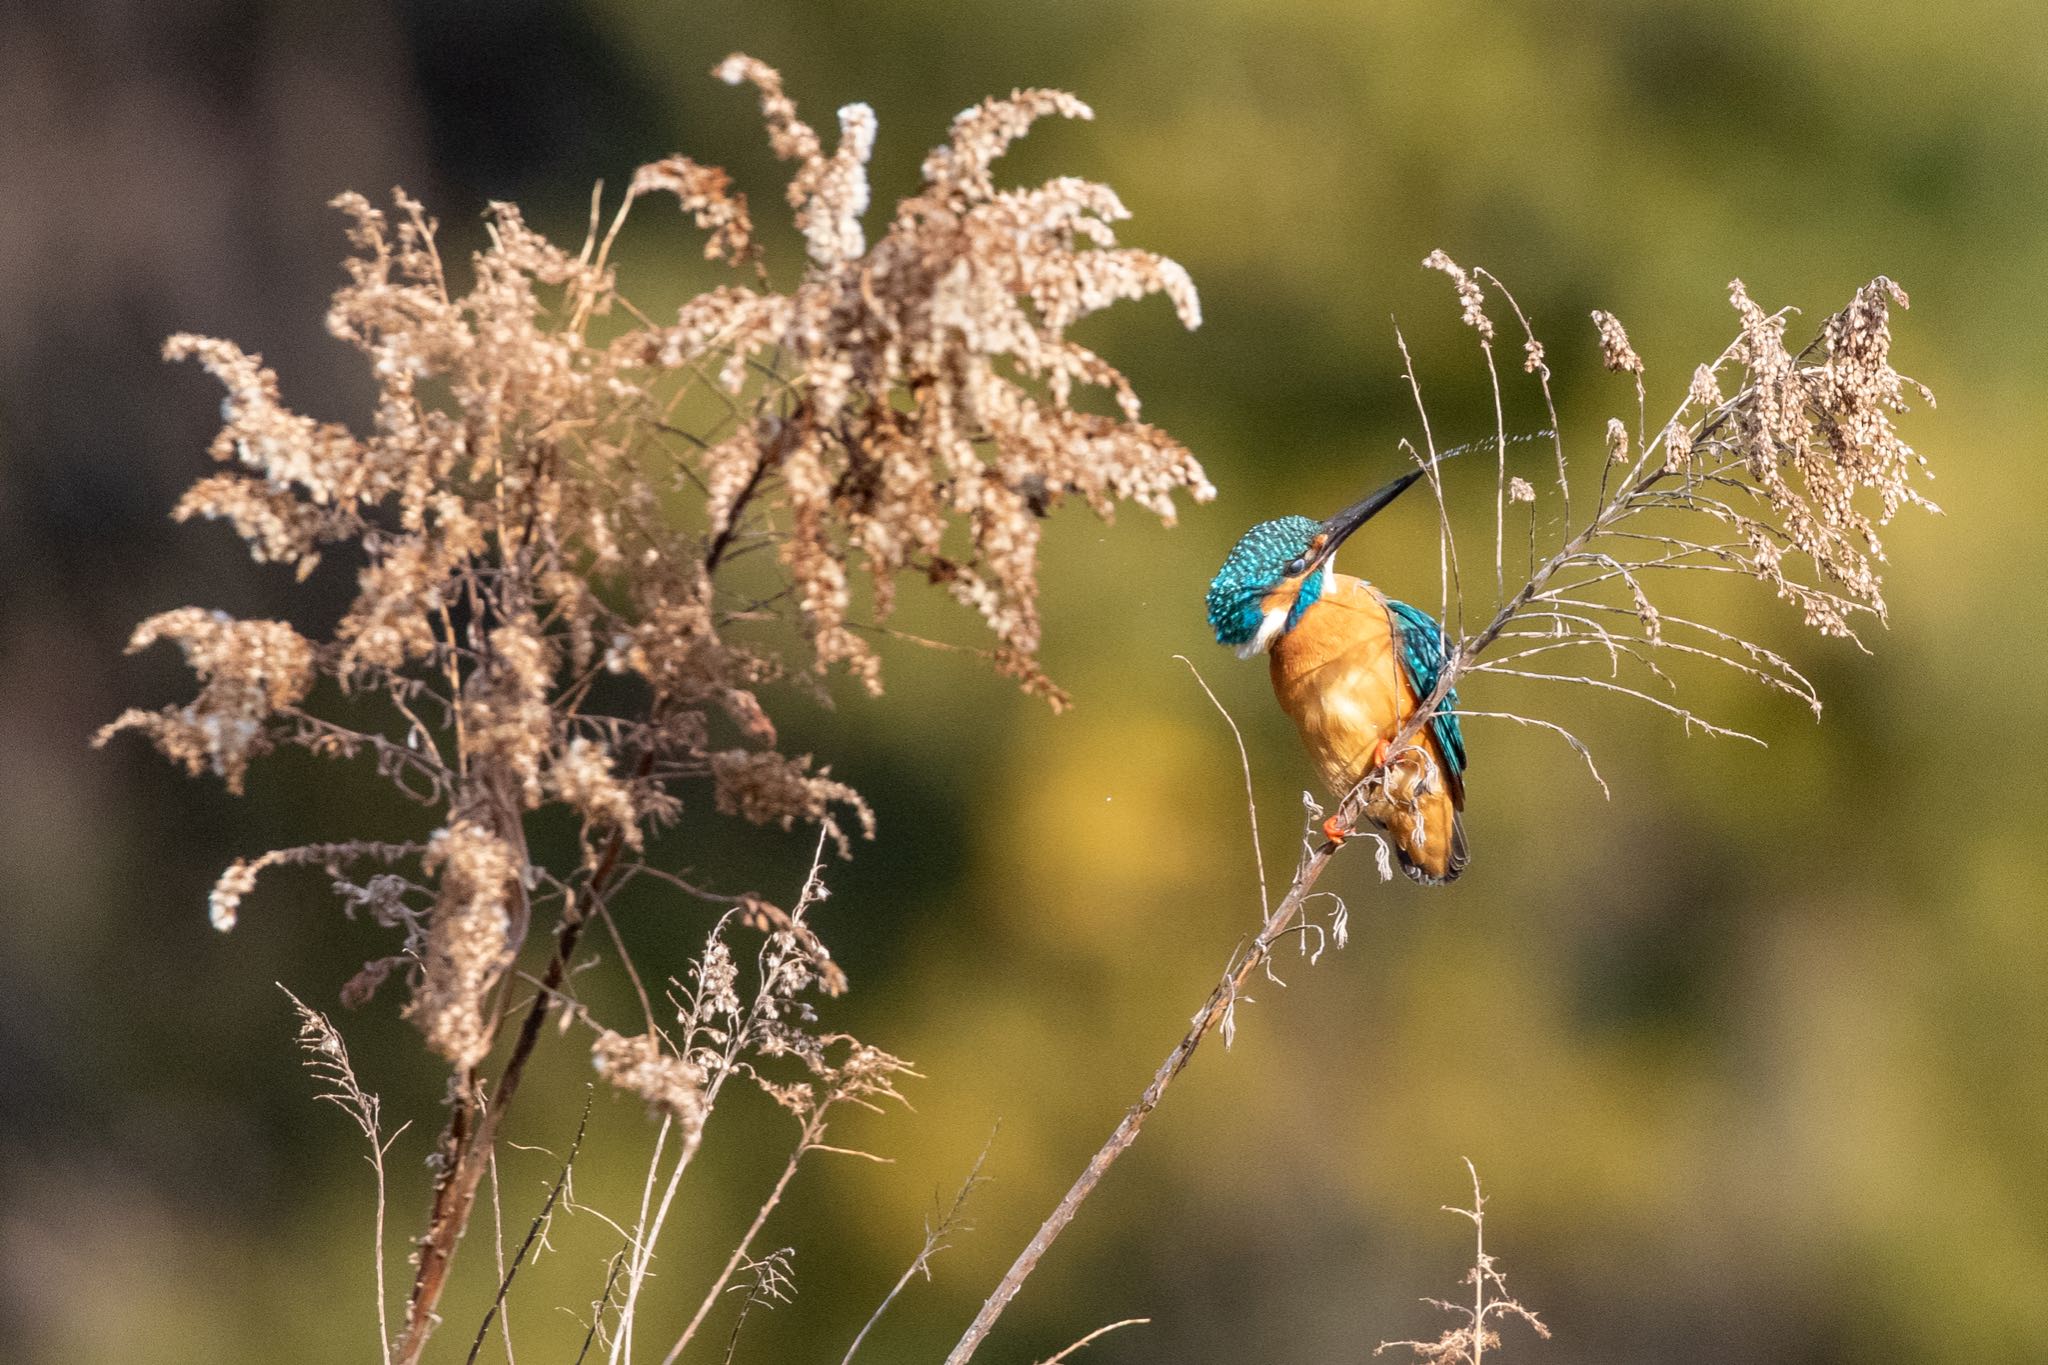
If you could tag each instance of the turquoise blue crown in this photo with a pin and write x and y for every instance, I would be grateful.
(1256, 565)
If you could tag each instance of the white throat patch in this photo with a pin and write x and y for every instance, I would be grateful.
(1270, 626)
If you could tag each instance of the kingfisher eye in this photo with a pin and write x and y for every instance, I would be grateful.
(1295, 567)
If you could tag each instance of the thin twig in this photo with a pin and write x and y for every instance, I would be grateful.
(1098, 1332)
(812, 1129)
(498, 1247)
(533, 1232)
(327, 1057)
(603, 1302)
(1251, 801)
(934, 1242)
(1452, 582)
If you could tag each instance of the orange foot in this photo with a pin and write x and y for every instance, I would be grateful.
(1335, 832)
(1379, 755)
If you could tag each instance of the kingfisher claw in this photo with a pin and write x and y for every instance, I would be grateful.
(1335, 831)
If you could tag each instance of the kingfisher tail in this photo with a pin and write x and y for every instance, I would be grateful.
(1425, 871)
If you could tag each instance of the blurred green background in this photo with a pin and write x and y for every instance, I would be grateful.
(1752, 1057)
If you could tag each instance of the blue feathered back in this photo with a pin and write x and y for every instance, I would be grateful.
(1423, 647)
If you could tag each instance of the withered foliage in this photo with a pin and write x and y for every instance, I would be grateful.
(1812, 435)
(590, 540)
(541, 506)
(1475, 1334)
(1775, 467)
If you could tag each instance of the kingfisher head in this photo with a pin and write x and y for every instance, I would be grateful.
(1276, 571)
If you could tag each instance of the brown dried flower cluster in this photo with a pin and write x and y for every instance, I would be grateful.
(577, 527)
(469, 938)
(669, 1084)
(1615, 352)
(1774, 461)
(1472, 302)
(536, 516)
(248, 672)
(1814, 436)
(928, 378)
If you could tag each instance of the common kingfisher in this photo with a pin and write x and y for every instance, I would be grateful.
(1350, 665)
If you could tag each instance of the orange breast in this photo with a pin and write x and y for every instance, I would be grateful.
(1338, 677)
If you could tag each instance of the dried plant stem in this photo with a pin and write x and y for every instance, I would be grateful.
(447, 1216)
(645, 1235)
(383, 1310)
(1219, 1004)
(1099, 1332)
(472, 1129)
(1245, 763)
(504, 1314)
(1500, 486)
(533, 1234)
(1479, 1261)
(466, 1145)
(1466, 1343)
(629, 1255)
(935, 1235)
(1452, 582)
(328, 1059)
(611, 1278)
(814, 1129)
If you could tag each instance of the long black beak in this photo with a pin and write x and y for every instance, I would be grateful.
(1337, 529)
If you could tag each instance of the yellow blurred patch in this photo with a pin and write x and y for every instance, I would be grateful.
(1116, 823)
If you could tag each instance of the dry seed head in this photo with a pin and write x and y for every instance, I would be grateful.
(1815, 436)
(706, 194)
(1677, 448)
(468, 937)
(641, 1065)
(1471, 302)
(1705, 392)
(582, 777)
(248, 671)
(224, 903)
(1615, 352)
(505, 707)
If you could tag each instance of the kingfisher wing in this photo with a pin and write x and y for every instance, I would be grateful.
(1423, 650)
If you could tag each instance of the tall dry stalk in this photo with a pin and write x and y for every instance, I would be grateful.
(592, 542)
(327, 1058)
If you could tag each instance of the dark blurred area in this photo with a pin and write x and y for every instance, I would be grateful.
(1752, 1057)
